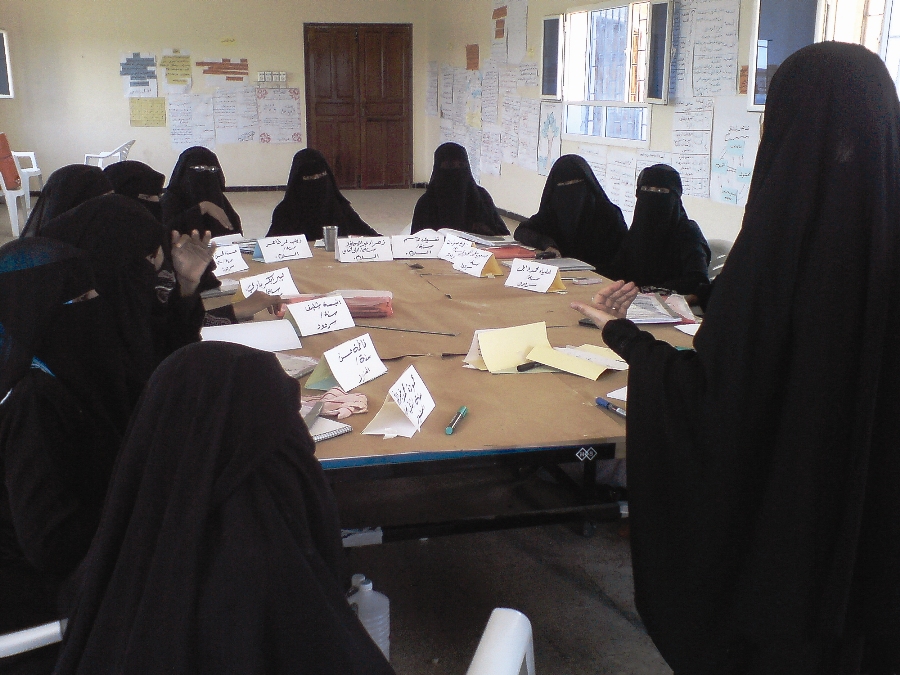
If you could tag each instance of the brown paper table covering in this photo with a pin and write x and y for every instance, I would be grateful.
(506, 412)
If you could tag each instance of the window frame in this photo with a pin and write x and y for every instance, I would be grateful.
(9, 79)
(648, 102)
(822, 13)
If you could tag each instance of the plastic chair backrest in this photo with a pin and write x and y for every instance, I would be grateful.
(31, 638)
(8, 169)
(506, 646)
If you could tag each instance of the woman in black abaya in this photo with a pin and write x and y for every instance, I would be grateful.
(139, 181)
(576, 218)
(663, 247)
(313, 200)
(219, 549)
(195, 198)
(64, 410)
(764, 468)
(453, 199)
(65, 189)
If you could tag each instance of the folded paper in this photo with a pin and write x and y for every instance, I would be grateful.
(348, 365)
(279, 249)
(531, 275)
(364, 249)
(452, 245)
(565, 362)
(503, 349)
(321, 315)
(269, 336)
(228, 260)
(276, 282)
(476, 262)
(422, 244)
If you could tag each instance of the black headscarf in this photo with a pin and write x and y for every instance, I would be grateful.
(188, 187)
(764, 471)
(663, 247)
(312, 200)
(65, 189)
(132, 179)
(575, 216)
(118, 234)
(453, 199)
(219, 546)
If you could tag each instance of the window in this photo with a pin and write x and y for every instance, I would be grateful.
(614, 65)
(6, 90)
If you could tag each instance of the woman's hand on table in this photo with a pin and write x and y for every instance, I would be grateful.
(245, 309)
(609, 303)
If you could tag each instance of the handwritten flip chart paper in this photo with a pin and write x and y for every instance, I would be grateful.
(476, 262)
(269, 336)
(280, 119)
(491, 150)
(620, 180)
(453, 245)
(431, 90)
(715, 36)
(534, 276)
(228, 260)
(446, 91)
(364, 249)
(647, 158)
(490, 94)
(191, 121)
(276, 249)
(734, 144)
(595, 156)
(322, 315)
(505, 348)
(529, 131)
(276, 282)
(235, 114)
(138, 71)
(354, 362)
(528, 75)
(509, 139)
(422, 244)
(516, 30)
(692, 140)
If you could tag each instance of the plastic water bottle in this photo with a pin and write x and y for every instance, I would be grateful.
(374, 612)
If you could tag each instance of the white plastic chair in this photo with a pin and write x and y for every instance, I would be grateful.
(31, 638)
(26, 173)
(101, 159)
(12, 199)
(719, 249)
(506, 646)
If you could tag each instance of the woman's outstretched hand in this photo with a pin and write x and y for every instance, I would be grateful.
(609, 303)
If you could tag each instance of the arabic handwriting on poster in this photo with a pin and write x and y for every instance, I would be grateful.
(280, 119)
(431, 90)
(177, 66)
(235, 114)
(529, 132)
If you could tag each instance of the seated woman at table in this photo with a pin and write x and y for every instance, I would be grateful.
(65, 189)
(138, 181)
(65, 401)
(312, 200)
(195, 198)
(453, 199)
(576, 218)
(219, 548)
(663, 248)
(763, 468)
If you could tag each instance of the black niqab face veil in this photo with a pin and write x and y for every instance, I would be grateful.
(65, 189)
(198, 177)
(219, 544)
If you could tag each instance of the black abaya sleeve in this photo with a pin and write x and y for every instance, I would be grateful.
(178, 324)
(352, 224)
(424, 214)
(494, 223)
(536, 232)
(693, 257)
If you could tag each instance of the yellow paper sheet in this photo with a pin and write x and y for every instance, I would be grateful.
(570, 364)
(492, 268)
(557, 286)
(506, 348)
(605, 352)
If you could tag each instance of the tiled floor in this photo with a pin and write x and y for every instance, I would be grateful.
(576, 590)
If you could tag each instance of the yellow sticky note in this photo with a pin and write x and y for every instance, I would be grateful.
(506, 348)
(570, 364)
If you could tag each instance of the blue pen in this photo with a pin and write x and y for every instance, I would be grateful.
(609, 406)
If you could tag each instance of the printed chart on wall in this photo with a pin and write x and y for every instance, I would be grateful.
(176, 65)
(734, 143)
(138, 72)
(692, 142)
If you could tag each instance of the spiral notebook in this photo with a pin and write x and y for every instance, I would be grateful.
(324, 428)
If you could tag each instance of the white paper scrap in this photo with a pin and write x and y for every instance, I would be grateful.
(619, 394)
(269, 336)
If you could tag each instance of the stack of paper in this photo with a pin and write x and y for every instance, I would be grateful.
(649, 308)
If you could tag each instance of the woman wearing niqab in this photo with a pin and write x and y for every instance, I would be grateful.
(65, 189)
(138, 181)
(453, 199)
(312, 200)
(663, 247)
(764, 467)
(219, 548)
(64, 410)
(195, 198)
(575, 217)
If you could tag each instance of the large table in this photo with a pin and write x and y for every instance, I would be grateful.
(523, 419)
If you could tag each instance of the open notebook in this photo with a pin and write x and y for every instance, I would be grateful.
(324, 428)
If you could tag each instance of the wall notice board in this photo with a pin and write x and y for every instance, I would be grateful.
(5, 71)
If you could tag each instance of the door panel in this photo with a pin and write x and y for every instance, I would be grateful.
(359, 101)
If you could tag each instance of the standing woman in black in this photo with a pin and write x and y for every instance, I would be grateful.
(312, 200)
(764, 467)
(65, 189)
(65, 401)
(195, 198)
(663, 247)
(219, 549)
(576, 218)
(453, 199)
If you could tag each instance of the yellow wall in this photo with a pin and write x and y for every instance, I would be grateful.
(69, 97)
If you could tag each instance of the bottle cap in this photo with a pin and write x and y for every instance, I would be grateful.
(365, 585)
(357, 579)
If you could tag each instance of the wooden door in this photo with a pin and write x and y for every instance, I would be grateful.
(359, 101)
